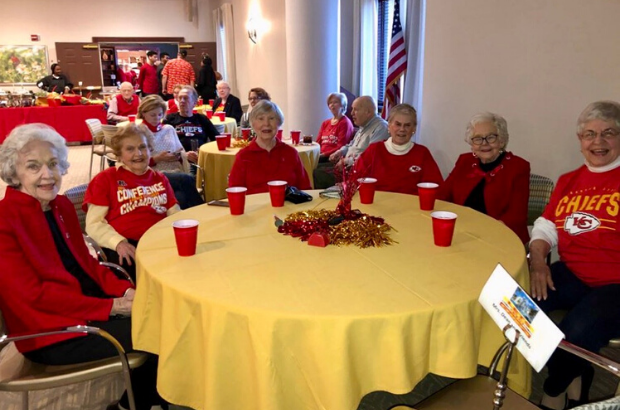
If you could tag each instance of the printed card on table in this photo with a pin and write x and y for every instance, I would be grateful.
(507, 303)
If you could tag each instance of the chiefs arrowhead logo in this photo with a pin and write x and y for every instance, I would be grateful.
(580, 222)
(415, 168)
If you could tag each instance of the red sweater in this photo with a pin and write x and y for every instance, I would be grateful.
(332, 137)
(254, 167)
(506, 189)
(398, 173)
(125, 108)
(584, 207)
(136, 202)
(148, 81)
(36, 292)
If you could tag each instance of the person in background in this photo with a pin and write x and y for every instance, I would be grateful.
(122, 105)
(227, 102)
(177, 71)
(148, 82)
(372, 128)
(267, 158)
(173, 104)
(255, 95)
(337, 131)
(126, 74)
(163, 60)
(206, 79)
(51, 279)
(123, 201)
(582, 220)
(490, 179)
(191, 128)
(398, 163)
(167, 153)
(56, 82)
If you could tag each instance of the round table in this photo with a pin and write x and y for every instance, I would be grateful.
(259, 320)
(217, 165)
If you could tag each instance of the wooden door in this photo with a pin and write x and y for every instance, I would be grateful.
(80, 62)
(195, 51)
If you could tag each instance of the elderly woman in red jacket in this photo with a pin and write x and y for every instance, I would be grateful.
(49, 279)
(490, 179)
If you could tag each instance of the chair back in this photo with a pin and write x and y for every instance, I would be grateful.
(94, 126)
(540, 192)
(76, 196)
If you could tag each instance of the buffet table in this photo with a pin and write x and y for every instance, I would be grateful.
(217, 165)
(259, 320)
(67, 120)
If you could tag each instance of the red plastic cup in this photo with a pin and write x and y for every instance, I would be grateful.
(132, 118)
(277, 191)
(245, 132)
(295, 136)
(443, 227)
(186, 236)
(228, 138)
(279, 134)
(222, 142)
(209, 114)
(367, 190)
(199, 102)
(195, 110)
(211, 102)
(221, 115)
(236, 199)
(426, 193)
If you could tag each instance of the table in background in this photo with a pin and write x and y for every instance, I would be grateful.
(69, 121)
(217, 165)
(259, 320)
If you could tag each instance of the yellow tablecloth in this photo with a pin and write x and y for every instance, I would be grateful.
(259, 320)
(217, 165)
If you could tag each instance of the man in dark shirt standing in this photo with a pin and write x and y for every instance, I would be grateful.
(147, 79)
(57, 82)
(163, 59)
(192, 129)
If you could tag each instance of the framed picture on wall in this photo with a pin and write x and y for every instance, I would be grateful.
(23, 64)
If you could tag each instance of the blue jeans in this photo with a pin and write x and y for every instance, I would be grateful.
(593, 319)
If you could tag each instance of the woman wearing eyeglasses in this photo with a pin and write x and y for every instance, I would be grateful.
(582, 220)
(490, 179)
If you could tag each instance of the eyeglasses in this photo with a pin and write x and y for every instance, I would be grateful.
(608, 135)
(491, 138)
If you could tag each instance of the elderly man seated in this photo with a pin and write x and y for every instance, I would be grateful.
(123, 105)
(372, 128)
(227, 102)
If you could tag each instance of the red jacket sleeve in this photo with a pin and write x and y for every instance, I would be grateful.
(515, 215)
(431, 170)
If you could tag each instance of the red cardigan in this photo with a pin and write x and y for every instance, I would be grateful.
(36, 292)
(506, 190)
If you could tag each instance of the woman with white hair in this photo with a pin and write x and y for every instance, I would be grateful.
(49, 278)
(582, 221)
(267, 158)
(490, 179)
(337, 131)
(227, 102)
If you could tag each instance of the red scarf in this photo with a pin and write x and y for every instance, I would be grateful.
(153, 129)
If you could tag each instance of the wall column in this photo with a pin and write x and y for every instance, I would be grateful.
(312, 62)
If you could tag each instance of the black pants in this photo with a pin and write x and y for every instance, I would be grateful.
(324, 175)
(184, 186)
(113, 257)
(91, 347)
(593, 319)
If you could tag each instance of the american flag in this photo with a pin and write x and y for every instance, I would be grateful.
(397, 64)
